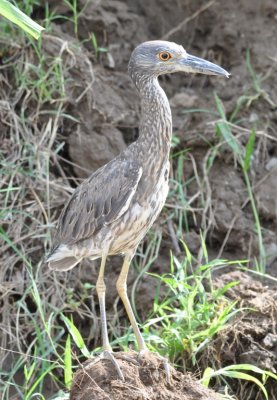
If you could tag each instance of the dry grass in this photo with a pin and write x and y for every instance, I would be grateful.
(33, 189)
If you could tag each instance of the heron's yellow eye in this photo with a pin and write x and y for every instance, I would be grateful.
(164, 55)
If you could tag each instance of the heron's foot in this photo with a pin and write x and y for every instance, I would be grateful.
(126, 358)
(109, 355)
(166, 365)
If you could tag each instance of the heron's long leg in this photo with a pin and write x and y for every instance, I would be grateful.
(101, 291)
(121, 286)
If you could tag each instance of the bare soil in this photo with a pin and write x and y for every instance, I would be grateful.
(145, 379)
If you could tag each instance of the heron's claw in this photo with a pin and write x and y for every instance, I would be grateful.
(109, 355)
(166, 365)
(167, 369)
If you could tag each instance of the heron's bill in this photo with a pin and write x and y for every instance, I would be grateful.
(199, 65)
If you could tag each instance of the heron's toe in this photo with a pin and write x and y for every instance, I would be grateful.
(167, 367)
(110, 356)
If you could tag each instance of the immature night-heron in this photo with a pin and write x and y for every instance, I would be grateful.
(110, 212)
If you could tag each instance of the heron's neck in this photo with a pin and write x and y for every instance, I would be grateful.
(156, 122)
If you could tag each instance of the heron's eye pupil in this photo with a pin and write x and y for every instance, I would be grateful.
(164, 56)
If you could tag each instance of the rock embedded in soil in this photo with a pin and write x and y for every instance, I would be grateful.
(90, 151)
(145, 379)
(267, 196)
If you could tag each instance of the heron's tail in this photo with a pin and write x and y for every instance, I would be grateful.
(62, 258)
(63, 264)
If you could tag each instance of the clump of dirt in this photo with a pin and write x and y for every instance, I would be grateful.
(252, 337)
(145, 378)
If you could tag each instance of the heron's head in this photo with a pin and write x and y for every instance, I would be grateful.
(158, 57)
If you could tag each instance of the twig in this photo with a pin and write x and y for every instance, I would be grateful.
(173, 237)
(193, 16)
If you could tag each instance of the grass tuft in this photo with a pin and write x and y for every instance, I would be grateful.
(187, 318)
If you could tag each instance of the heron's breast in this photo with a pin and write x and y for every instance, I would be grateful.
(135, 223)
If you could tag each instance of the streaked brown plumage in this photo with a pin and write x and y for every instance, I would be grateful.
(110, 212)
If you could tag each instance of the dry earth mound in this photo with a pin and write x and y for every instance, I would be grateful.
(145, 379)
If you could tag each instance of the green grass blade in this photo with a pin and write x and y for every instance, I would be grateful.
(207, 376)
(188, 253)
(68, 363)
(247, 377)
(76, 336)
(204, 248)
(16, 16)
(253, 368)
(249, 150)
(252, 72)
(262, 255)
(219, 106)
(223, 129)
(29, 373)
(234, 371)
(40, 378)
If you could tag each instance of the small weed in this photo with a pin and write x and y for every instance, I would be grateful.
(72, 5)
(244, 159)
(247, 100)
(191, 313)
(43, 78)
(95, 46)
(74, 9)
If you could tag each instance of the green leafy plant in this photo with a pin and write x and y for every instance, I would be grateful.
(192, 312)
(237, 372)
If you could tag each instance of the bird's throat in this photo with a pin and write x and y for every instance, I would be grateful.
(156, 122)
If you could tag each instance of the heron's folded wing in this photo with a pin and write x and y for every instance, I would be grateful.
(99, 200)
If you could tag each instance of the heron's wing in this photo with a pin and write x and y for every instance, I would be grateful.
(99, 200)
